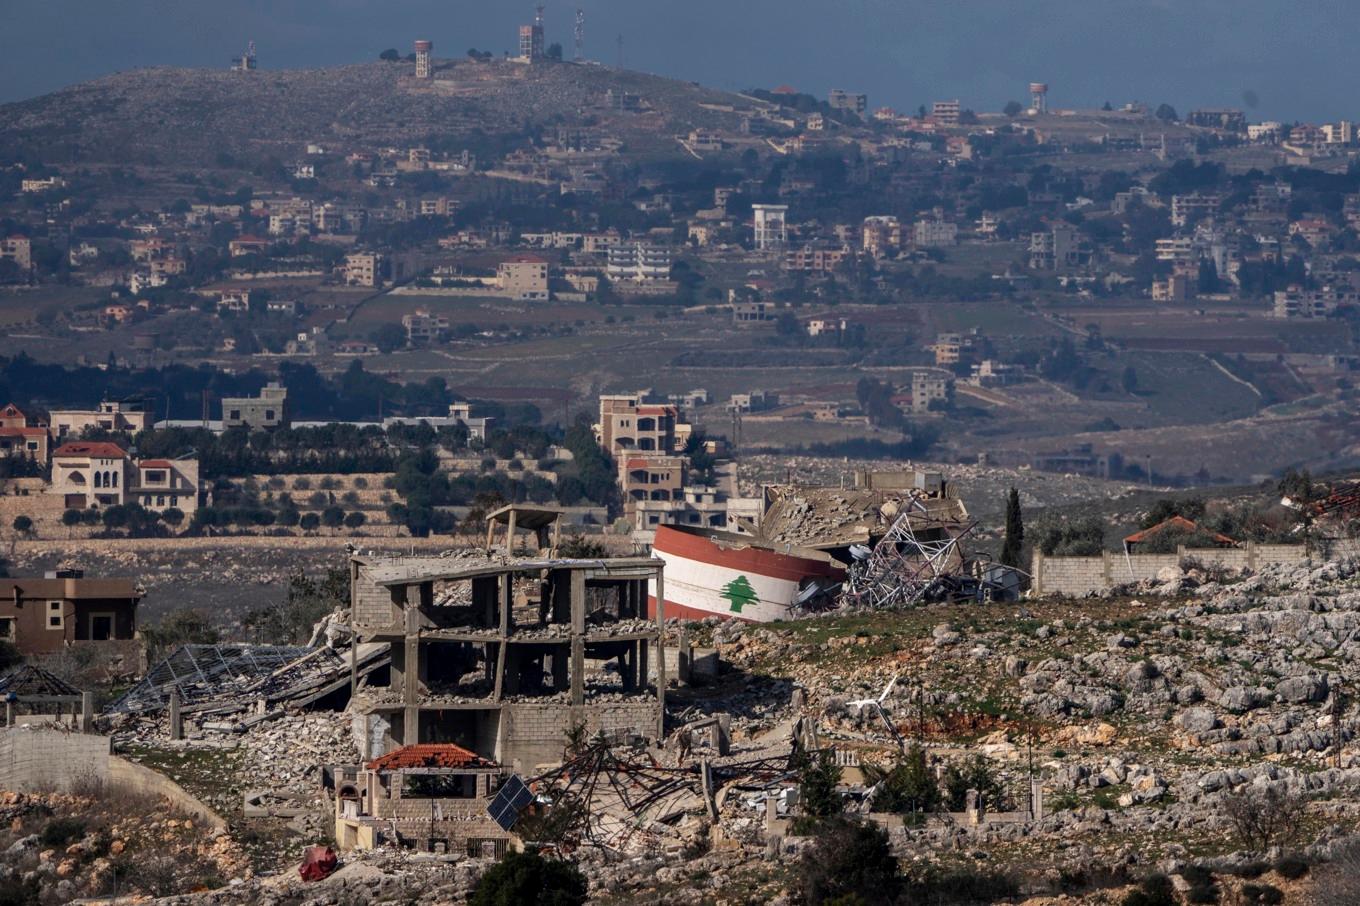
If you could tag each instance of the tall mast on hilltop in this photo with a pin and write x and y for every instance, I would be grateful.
(580, 33)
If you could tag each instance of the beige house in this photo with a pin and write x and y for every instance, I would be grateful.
(90, 474)
(164, 484)
(109, 416)
(98, 474)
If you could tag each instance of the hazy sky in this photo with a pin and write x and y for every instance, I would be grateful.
(1278, 59)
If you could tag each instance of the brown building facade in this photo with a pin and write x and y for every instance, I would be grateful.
(44, 616)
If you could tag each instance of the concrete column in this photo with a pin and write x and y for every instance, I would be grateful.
(578, 670)
(86, 712)
(1037, 570)
(498, 683)
(410, 725)
(9, 713)
(578, 602)
(661, 652)
(176, 722)
(684, 656)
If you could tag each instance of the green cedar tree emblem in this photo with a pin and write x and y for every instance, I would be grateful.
(739, 593)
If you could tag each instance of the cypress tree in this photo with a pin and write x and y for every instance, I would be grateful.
(1012, 547)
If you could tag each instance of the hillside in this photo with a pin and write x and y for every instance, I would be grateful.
(190, 116)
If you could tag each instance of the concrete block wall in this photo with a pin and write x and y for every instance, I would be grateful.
(35, 759)
(535, 734)
(1078, 576)
(373, 605)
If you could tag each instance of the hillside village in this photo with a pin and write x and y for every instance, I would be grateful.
(513, 479)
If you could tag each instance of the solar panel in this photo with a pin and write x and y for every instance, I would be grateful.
(512, 798)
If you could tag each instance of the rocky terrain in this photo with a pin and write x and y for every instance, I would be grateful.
(1161, 725)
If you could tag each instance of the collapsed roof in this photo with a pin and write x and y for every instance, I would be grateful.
(829, 518)
(30, 681)
(229, 678)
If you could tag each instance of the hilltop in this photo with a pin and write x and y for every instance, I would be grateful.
(192, 116)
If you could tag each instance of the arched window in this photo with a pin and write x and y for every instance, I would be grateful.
(99, 479)
(114, 475)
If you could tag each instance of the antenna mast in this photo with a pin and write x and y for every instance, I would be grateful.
(580, 34)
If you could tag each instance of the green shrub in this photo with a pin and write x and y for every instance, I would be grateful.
(1291, 868)
(1202, 888)
(850, 859)
(61, 831)
(1154, 891)
(523, 878)
(1264, 894)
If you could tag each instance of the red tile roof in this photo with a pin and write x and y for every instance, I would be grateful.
(92, 450)
(1180, 523)
(429, 755)
(156, 464)
(22, 432)
(11, 411)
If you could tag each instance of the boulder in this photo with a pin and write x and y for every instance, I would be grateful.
(1298, 690)
(1196, 720)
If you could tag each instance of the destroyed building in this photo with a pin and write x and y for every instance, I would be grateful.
(503, 657)
(835, 519)
(892, 538)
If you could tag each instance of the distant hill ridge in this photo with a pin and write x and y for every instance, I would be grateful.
(192, 116)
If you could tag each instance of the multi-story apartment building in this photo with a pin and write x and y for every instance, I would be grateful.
(930, 386)
(18, 249)
(638, 263)
(1057, 248)
(946, 113)
(1297, 302)
(363, 269)
(839, 99)
(815, 258)
(524, 278)
(652, 478)
(934, 232)
(628, 425)
(1187, 209)
(881, 236)
(423, 327)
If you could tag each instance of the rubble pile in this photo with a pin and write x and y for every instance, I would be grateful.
(287, 754)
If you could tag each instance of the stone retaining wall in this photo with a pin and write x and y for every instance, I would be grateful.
(34, 759)
(1078, 576)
